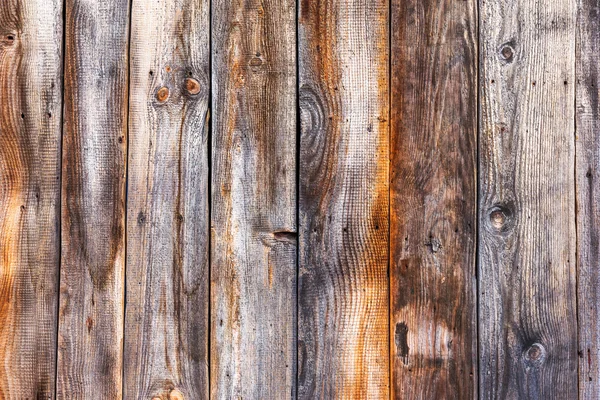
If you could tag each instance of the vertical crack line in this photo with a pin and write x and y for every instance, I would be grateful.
(297, 176)
(209, 121)
(478, 62)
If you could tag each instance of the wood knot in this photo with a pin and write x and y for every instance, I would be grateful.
(175, 395)
(256, 62)
(500, 217)
(192, 86)
(535, 354)
(507, 51)
(162, 94)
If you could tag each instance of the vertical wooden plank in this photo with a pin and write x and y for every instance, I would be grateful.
(344, 198)
(433, 199)
(528, 317)
(588, 195)
(30, 131)
(167, 205)
(253, 267)
(93, 200)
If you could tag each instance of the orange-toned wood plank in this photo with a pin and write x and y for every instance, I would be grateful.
(30, 131)
(343, 346)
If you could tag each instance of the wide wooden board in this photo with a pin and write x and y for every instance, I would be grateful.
(30, 132)
(343, 346)
(254, 234)
(166, 330)
(433, 199)
(527, 241)
(92, 280)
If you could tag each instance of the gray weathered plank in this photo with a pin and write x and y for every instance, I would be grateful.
(30, 131)
(528, 316)
(253, 268)
(343, 330)
(588, 195)
(433, 199)
(90, 337)
(166, 330)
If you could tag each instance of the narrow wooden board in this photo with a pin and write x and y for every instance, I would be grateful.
(433, 199)
(166, 330)
(253, 267)
(30, 132)
(587, 171)
(90, 337)
(343, 346)
(528, 316)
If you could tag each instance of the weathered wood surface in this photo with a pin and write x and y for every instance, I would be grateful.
(90, 338)
(343, 299)
(588, 195)
(528, 316)
(433, 199)
(253, 268)
(30, 132)
(166, 330)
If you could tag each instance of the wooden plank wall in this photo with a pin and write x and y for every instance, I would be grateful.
(299, 199)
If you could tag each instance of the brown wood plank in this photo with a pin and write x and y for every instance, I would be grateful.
(166, 330)
(253, 265)
(528, 316)
(433, 199)
(588, 195)
(30, 132)
(343, 299)
(93, 200)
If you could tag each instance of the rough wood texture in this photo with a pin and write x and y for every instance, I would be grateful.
(588, 195)
(343, 299)
(166, 330)
(528, 316)
(253, 271)
(433, 199)
(30, 131)
(93, 200)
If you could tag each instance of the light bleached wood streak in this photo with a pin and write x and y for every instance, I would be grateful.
(253, 267)
(30, 131)
(343, 346)
(433, 199)
(528, 316)
(167, 205)
(93, 200)
(588, 195)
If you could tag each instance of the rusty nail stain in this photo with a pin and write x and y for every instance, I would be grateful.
(162, 94)
(175, 395)
(168, 69)
(192, 86)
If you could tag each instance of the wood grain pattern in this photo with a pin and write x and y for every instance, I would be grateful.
(433, 199)
(253, 270)
(93, 200)
(528, 316)
(166, 330)
(30, 131)
(588, 195)
(344, 194)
